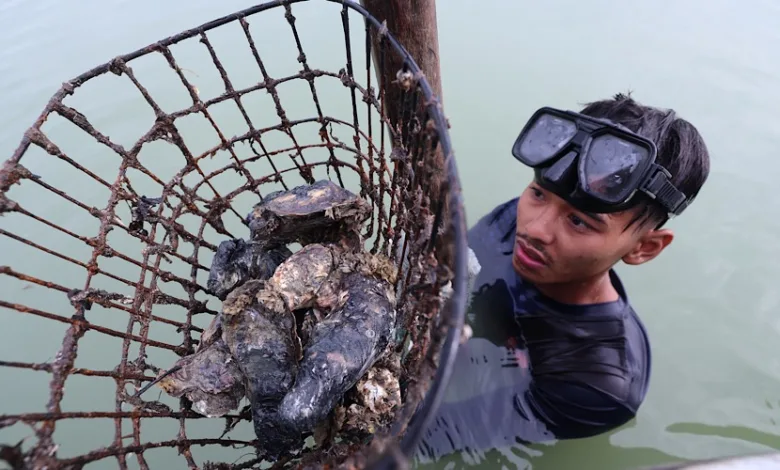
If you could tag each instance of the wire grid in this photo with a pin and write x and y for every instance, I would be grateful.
(137, 278)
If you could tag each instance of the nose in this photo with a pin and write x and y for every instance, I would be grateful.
(541, 227)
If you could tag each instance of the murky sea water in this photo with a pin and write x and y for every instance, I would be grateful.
(709, 302)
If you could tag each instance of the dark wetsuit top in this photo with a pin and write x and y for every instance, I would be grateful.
(536, 369)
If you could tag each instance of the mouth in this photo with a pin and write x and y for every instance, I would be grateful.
(527, 256)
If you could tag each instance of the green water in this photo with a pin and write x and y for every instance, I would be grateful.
(709, 302)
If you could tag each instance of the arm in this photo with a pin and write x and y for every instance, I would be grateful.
(494, 402)
(571, 410)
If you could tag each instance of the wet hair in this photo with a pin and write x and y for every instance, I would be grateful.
(681, 149)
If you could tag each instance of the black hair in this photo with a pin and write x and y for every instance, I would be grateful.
(681, 149)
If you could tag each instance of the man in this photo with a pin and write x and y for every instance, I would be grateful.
(557, 350)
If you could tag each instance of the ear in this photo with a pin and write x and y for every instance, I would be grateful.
(650, 245)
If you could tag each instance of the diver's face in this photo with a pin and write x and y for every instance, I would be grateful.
(557, 244)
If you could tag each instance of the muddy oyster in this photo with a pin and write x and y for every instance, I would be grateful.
(309, 278)
(375, 399)
(341, 348)
(315, 213)
(210, 378)
(237, 261)
(267, 349)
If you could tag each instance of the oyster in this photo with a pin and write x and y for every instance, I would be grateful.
(375, 398)
(342, 347)
(316, 213)
(209, 378)
(237, 261)
(267, 349)
(303, 280)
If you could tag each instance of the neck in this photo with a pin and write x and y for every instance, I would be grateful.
(595, 290)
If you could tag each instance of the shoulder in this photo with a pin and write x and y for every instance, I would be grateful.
(589, 364)
(638, 353)
(495, 228)
(496, 222)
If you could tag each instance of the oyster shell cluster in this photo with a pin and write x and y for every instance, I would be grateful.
(306, 337)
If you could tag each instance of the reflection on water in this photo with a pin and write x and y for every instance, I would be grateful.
(483, 408)
(746, 434)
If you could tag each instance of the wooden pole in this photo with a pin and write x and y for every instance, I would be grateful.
(413, 24)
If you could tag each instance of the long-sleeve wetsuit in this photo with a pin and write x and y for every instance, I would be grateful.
(536, 369)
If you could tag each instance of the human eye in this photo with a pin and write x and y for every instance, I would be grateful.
(578, 223)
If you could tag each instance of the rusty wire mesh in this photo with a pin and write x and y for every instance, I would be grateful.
(102, 286)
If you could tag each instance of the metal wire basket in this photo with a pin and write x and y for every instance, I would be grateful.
(117, 197)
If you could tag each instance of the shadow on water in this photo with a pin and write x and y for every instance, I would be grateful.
(728, 432)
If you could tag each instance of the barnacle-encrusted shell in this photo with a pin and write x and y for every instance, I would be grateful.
(319, 212)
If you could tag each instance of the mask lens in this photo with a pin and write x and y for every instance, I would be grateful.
(545, 138)
(611, 166)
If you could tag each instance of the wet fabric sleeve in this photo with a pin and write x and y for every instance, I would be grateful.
(572, 410)
(494, 402)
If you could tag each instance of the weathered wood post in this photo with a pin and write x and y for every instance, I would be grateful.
(413, 23)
